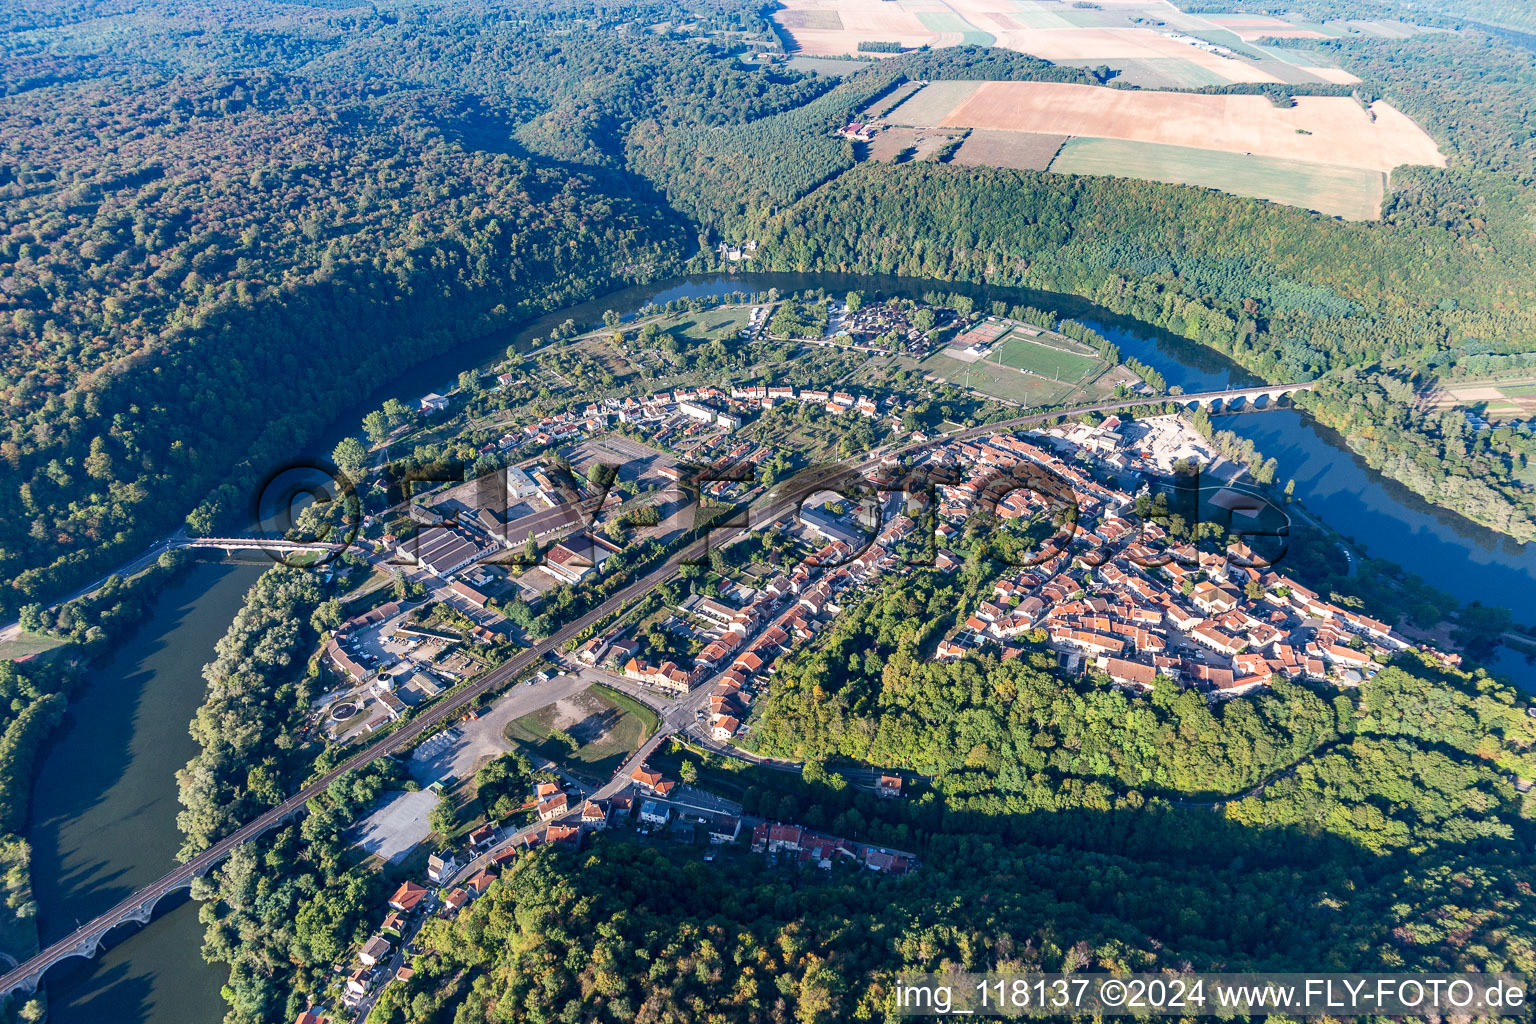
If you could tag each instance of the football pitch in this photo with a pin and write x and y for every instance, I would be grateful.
(1043, 360)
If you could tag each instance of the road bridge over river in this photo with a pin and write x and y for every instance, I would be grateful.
(87, 940)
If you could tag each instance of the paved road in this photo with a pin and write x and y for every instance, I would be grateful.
(773, 505)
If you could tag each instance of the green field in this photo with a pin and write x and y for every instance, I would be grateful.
(607, 730)
(932, 103)
(826, 65)
(1338, 191)
(1024, 353)
(948, 21)
(27, 644)
(998, 381)
(1031, 14)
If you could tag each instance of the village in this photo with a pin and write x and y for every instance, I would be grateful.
(1108, 589)
(1117, 599)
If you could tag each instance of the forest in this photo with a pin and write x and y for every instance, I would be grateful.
(260, 684)
(286, 906)
(169, 288)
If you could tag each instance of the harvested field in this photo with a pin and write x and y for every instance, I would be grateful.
(858, 21)
(931, 104)
(999, 20)
(1317, 129)
(1351, 193)
(1022, 151)
(821, 19)
(1111, 45)
(1249, 27)
(905, 144)
(1338, 76)
(1051, 29)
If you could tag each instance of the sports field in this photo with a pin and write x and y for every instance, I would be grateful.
(1043, 360)
(998, 381)
(1316, 129)
(1019, 368)
(1351, 193)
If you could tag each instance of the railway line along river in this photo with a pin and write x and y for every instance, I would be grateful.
(104, 803)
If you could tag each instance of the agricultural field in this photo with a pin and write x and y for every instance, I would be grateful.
(1249, 27)
(1021, 151)
(1138, 38)
(1158, 73)
(1350, 193)
(902, 144)
(931, 104)
(1149, 43)
(949, 23)
(1316, 129)
(1512, 398)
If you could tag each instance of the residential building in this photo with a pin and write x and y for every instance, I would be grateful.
(407, 896)
(374, 950)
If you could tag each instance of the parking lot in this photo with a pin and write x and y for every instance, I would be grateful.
(636, 462)
(396, 826)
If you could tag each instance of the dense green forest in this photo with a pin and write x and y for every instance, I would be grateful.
(286, 906)
(202, 268)
(620, 935)
(249, 728)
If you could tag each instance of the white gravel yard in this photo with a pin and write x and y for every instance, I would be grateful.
(397, 825)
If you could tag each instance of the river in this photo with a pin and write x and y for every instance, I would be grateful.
(105, 800)
(104, 810)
